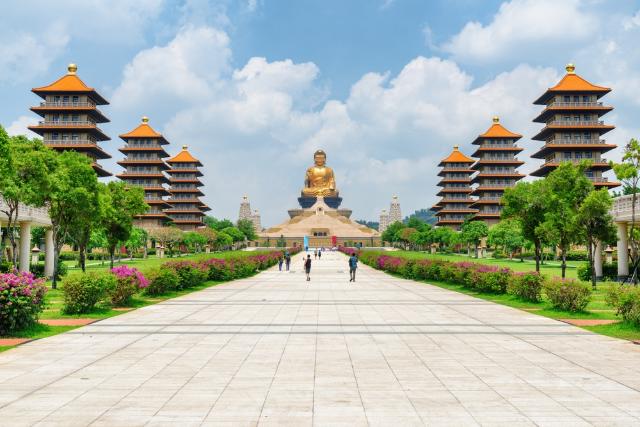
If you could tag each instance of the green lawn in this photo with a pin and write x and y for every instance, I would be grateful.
(54, 297)
(596, 309)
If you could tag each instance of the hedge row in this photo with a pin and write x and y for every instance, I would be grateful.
(83, 292)
(567, 294)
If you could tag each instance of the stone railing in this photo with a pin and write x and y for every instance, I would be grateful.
(38, 216)
(621, 209)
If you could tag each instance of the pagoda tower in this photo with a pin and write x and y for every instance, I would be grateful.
(257, 221)
(384, 221)
(245, 209)
(187, 209)
(71, 117)
(395, 214)
(456, 201)
(573, 128)
(496, 166)
(144, 166)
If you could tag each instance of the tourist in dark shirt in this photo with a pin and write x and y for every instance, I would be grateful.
(353, 265)
(307, 267)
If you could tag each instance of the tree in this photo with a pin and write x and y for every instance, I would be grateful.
(24, 178)
(234, 233)
(247, 228)
(391, 234)
(628, 173)
(72, 193)
(137, 239)
(167, 237)
(596, 224)
(223, 240)
(567, 187)
(120, 204)
(405, 235)
(444, 237)
(194, 240)
(208, 234)
(506, 234)
(526, 202)
(217, 224)
(422, 239)
(473, 232)
(417, 223)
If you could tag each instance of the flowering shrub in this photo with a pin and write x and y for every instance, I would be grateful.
(190, 273)
(21, 301)
(527, 286)
(161, 281)
(82, 293)
(626, 300)
(128, 281)
(567, 294)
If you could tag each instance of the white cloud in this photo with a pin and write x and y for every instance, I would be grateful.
(522, 29)
(19, 126)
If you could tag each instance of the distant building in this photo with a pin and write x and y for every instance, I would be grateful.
(456, 201)
(384, 221)
(144, 166)
(246, 213)
(71, 117)
(257, 223)
(395, 214)
(496, 166)
(573, 128)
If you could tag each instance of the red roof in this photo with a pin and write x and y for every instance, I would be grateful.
(144, 130)
(183, 157)
(457, 157)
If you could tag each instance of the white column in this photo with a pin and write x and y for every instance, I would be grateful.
(597, 260)
(623, 250)
(25, 246)
(48, 252)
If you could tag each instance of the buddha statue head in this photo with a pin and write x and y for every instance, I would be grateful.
(320, 158)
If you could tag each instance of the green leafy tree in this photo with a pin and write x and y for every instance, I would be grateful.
(248, 229)
(235, 233)
(506, 234)
(72, 193)
(628, 173)
(25, 178)
(120, 204)
(596, 224)
(417, 223)
(168, 237)
(527, 203)
(392, 233)
(405, 235)
(209, 235)
(217, 224)
(223, 240)
(422, 239)
(567, 186)
(137, 239)
(194, 241)
(473, 232)
(444, 237)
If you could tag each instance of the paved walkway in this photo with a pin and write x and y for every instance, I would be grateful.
(274, 349)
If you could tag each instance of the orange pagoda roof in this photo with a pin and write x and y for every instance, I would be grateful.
(144, 130)
(184, 157)
(70, 83)
(456, 157)
(497, 131)
(572, 82)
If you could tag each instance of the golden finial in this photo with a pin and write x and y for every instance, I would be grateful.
(72, 68)
(571, 69)
(455, 148)
(145, 119)
(496, 119)
(184, 147)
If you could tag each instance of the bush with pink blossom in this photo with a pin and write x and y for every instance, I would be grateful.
(21, 301)
(128, 281)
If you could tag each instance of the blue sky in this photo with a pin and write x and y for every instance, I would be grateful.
(385, 87)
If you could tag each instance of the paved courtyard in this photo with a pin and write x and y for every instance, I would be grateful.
(277, 350)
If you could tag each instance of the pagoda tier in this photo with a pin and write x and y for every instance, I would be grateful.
(455, 204)
(144, 167)
(71, 117)
(496, 166)
(187, 210)
(573, 128)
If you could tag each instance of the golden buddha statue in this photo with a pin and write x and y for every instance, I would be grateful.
(319, 181)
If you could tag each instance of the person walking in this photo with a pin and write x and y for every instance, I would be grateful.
(353, 265)
(315, 254)
(280, 262)
(319, 254)
(287, 260)
(307, 267)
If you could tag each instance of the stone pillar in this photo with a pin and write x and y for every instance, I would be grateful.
(25, 246)
(623, 250)
(597, 260)
(48, 253)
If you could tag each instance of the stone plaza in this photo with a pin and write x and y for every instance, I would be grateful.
(277, 350)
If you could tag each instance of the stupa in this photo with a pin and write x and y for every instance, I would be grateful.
(319, 218)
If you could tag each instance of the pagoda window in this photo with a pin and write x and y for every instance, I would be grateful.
(74, 137)
(576, 98)
(75, 117)
(55, 136)
(75, 99)
(65, 99)
(586, 135)
(578, 155)
(566, 155)
(588, 155)
(589, 173)
(56, 98)
(586, 98)
(567, 98)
